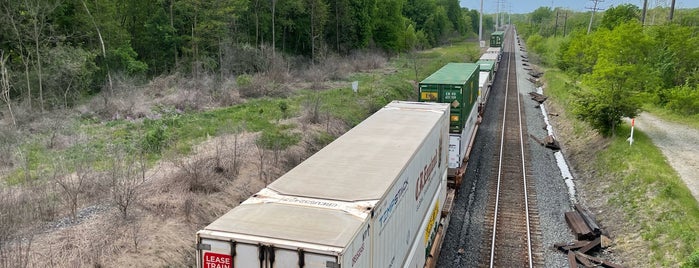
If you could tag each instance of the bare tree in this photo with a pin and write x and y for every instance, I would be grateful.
(23, 51)
(126, 179)
(39, 11)
(136, 231)
(5, 86)
(18, 254)
(72, 184)
(261, 152)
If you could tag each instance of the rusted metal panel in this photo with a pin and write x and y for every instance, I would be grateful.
(565, 247)
(577, 224)
(590, 245)
(571, 260)
(589, 220)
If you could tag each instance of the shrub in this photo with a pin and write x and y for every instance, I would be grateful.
(683, 100)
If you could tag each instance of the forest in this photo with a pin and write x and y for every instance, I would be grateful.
(623, 65)
(56, 52)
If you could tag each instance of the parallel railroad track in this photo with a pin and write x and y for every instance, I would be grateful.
(512, 238)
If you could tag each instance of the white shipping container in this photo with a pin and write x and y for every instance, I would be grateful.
(490, 56)
(365, 200)
(458, 142)
(494, 50)
(483, 86)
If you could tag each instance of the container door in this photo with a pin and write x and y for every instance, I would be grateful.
(453, 94)
(227, 254)
(454, 151)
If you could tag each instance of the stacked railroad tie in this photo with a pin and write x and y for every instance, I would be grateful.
(589, 237)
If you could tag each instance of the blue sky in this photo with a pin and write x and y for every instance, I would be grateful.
(526, 6)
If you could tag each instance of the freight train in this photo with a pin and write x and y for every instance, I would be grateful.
(378, 196)
(466, 87)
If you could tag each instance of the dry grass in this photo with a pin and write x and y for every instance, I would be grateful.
(172, 205)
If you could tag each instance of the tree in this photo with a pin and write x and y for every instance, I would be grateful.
(617, 78)
(5, 86)
(71, 174)
(319, 15)
(438, 26)
(615, 16)
(610, 97)
(579, 53)
(388, 24)
(127, 176)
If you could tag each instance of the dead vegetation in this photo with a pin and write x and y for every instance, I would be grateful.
(82, 213)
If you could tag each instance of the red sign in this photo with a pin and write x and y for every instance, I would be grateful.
(215, 260)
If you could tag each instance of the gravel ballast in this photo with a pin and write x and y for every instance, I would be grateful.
(466, 229)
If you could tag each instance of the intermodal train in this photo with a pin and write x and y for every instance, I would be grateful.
(466, 87)
(378, 196)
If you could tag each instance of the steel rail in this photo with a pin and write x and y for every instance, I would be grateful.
(500, 162)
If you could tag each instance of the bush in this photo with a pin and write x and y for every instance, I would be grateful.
(155, 137)
(692, 261)
(683, 100)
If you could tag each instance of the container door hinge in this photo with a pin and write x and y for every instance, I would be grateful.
(332, 264)
(201, 246)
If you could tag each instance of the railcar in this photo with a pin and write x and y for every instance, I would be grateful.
(497, 38)
(457, 85)
(372, 198)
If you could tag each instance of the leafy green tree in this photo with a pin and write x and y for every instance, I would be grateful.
(617, 78)
(578, 54)
(438, 26)
(351, 24)
(672, 57)
(388, 24)
(453, 10)
(419, 11)
(615, 16)
(610, 97)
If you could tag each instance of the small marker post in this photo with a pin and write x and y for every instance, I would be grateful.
(630, 139)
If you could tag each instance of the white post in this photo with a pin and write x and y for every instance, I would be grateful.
(630, 139)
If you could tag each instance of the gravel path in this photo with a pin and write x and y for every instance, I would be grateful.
(679, 144)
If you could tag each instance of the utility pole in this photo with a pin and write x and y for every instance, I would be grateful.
(594, 9)
(565, 23)
(480, 24)
(497, 15)
(672, 10)
(555, 30)
(645, 9)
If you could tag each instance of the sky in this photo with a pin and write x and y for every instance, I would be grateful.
(527, 6)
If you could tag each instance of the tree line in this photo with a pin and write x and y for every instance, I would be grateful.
(623, 63)
(56, 51)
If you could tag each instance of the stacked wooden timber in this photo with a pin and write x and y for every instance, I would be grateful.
(589, 237)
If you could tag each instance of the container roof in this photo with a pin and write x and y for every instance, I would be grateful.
(452, 73)
(363, 163)
(489, 56)
(486, 65)
(293, 223)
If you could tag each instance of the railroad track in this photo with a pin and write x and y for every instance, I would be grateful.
(512, 237)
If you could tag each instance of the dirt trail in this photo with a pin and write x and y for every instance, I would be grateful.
(679, 144)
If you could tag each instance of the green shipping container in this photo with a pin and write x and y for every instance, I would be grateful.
(456, 84)
(496, 38)
(486, 66)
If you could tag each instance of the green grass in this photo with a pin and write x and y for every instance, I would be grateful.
(651, 192)
(643, 185)
(692, 121)
(177, 133)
